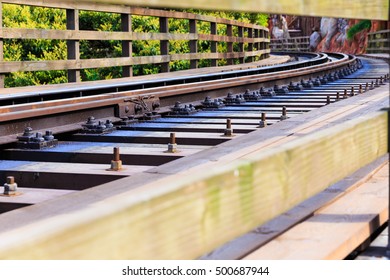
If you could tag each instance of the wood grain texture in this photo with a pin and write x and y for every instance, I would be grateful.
(73, 35)
(185, 215)
(373, 9)
(336, 230)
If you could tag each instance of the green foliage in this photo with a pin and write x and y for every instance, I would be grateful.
(22, 50)
(360, 26)
(21, 16)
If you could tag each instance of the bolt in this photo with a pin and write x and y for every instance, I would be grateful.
(337, 96)
(10, 186)
(116, 163)
(228, 123)
(263, 122)
(328, 100)
(10, 180)
(27, 131)
(91, 120)
(109, 124)
(228, 130)
(172, 146)
(48, 135)
(116, 154)
(173, 138)
(284, 113)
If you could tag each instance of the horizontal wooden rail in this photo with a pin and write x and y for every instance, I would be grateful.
(290, 44)
(372, 9)
(379, 42)
(250, 42)
(184, 216)
(15, 66)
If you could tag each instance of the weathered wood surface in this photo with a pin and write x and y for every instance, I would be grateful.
(250, 242)
(255, 35)
(337, 229)
(185, 215)
(373, 9)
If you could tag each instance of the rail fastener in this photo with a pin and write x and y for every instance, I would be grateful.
(229, 130)
(116, 163)
(284, 114)
(263, 122)
(10, 187)
(172, 146)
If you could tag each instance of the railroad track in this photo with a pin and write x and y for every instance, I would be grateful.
(106, 133)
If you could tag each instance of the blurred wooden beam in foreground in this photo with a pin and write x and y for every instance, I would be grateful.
(360, 9)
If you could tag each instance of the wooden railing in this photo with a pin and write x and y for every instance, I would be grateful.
(245, 42)
(379, 42)
(291, 44)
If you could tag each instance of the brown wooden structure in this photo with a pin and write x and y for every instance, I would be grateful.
(379, 42)
(372, 9)
(251, 40)
(291, 44)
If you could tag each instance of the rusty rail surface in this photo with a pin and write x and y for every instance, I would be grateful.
(197, 197)
(245, 42)
(122, 104)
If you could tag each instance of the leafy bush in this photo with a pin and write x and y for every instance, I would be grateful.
(360, 26)
(22, 16)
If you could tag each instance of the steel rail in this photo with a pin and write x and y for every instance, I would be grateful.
(16, 112)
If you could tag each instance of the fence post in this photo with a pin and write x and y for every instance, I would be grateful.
(213, 44)
(73, 46)
(193, 43)
(241, 44)
(250, 45)
(164, 44)
(2, 76)
(257, 36)
(229, 33)
(127, 45)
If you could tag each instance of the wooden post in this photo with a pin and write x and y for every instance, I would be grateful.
(213, 44)
(193, 43)
(72, 23)
(241, 45)
(229, 33)
(164, 44)
(266, 45)
(127, 45)
(2, 76)
(250, 45)
(257, 35)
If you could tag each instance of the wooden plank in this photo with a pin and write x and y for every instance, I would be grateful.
(72, 168)
(246, 244)
(31, 196)
(73, 4)
(185, 215)
(337, 229)
(373, 9)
